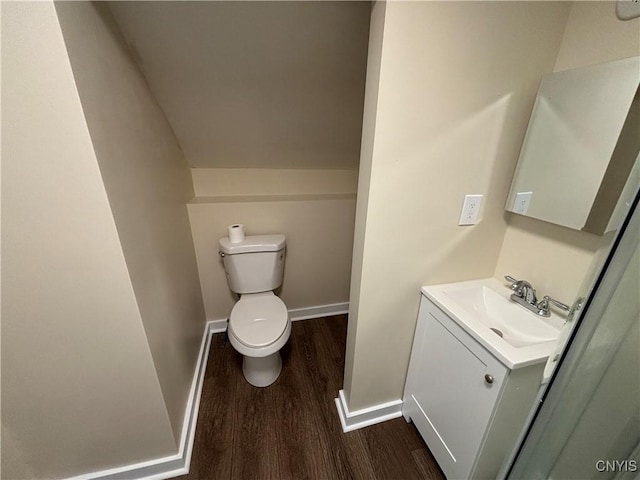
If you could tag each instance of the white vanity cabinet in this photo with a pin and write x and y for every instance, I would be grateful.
(467, 405)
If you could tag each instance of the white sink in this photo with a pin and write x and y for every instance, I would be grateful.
(514, 335)
(516, 326)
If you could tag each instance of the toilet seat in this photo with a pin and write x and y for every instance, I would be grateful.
(258, 320)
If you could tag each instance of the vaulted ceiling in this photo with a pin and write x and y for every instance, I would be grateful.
(255, 84)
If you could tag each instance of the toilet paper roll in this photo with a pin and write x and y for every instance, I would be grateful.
(236, 233)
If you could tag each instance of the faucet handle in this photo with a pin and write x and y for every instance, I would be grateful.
(546, 300)
(514, 282)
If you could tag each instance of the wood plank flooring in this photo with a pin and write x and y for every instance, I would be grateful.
(291, 430)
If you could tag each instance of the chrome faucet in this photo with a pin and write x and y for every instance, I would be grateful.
(524, 294)
(523, 291)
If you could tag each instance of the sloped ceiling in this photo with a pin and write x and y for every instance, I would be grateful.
(255, 84)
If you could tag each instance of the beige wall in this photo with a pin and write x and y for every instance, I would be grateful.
(148, 183)
(275, 84)
(456, 86)
(595, 35)
(237, 182)
(271, 95)
(553, 258)
(79, 387)
(560, 258)
(314, 209)
(376, 35)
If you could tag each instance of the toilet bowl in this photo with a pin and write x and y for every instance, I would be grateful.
(259, 327)
(259, 324)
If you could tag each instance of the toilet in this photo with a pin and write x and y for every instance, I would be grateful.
(259, 323)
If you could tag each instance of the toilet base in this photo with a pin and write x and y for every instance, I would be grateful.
(262, 371)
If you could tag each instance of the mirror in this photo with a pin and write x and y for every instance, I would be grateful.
(580, 147)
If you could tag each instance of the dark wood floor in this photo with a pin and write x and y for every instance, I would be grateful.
(291, 428)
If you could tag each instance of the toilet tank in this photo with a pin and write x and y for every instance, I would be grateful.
(254, 265)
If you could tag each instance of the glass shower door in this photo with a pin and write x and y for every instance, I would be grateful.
(588, 422)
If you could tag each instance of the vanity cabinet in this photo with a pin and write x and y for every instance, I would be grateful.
(467, 405)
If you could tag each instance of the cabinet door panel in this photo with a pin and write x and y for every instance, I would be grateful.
(450, 392)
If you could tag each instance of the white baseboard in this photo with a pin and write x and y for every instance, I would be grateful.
(177, 464)
(367, 416)
(217, 326)
(319, 311)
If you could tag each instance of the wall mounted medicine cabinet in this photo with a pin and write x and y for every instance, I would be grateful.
(581, 147)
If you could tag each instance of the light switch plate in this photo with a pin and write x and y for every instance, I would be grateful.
(522, 202)
(470, 210)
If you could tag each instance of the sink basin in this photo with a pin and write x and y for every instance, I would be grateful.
(514, 335)
(516, 325)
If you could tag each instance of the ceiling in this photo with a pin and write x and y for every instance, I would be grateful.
(255, 84)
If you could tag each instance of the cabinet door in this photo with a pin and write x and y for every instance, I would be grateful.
(448, 397)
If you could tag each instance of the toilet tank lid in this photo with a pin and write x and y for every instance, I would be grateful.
(253, 243)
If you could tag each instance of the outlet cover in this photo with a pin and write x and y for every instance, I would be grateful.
(470, 210)
(522, 202)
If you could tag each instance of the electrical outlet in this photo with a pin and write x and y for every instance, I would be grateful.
(522, 202)
(470, 210)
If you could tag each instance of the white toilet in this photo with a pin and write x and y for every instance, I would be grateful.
(259, 324)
